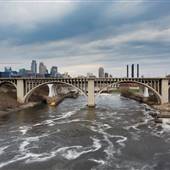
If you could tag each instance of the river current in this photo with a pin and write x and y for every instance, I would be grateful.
(118, 134)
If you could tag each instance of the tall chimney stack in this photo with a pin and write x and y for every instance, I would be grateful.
(137, 70)
(127, 71)
(132, 70)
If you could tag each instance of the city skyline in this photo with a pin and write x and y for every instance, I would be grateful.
(81, 36)
(39, 69)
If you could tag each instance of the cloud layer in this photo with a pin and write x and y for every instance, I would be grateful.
(81, 36)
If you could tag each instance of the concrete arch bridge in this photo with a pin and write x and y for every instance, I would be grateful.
(88, 86)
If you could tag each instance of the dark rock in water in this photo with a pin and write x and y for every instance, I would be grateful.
(164, 116)
(153, 114)
(158, 120)
(159, 127)
(147, 109)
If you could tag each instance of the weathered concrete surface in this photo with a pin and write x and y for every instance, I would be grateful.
(20, 91)
(91, 96)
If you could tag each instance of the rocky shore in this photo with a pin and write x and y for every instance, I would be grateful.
(5, 112)
(164, 109)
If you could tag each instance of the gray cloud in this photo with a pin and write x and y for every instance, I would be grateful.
(79, 38)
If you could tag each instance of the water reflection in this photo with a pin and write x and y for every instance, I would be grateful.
(91, 114)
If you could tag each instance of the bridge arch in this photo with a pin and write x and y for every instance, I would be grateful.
(158, 96)
(8, 82)
(27, 95)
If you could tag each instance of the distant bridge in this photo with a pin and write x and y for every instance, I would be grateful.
(26, 86)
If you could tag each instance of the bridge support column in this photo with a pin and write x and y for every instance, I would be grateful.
(146, 92)
(52, 90)
(20, 91)
(141, 90)
(165, 91)
(91, 97)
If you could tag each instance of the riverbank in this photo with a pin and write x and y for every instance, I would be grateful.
(9, 104)
(140, 98)
(163, 109)
(8, 110)
(5, 112)
(57, 99)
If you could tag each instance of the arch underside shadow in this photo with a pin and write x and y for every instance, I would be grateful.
(27, 96)
(8, 82)
(8, 94)
(158, 96)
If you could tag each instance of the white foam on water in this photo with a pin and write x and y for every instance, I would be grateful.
(15, 159)
(137, 125)
(27, 141)
(102, 162)
(106, 126)
(24, 129)
(39, 157)
(105, 94)
(74, 152)
(37, 124)
(49, 122)
(109, 150)
(2, 149)
(33, 157)
(22, 147)
(121, 140)
(70, 152)
(24, 152)
(133, 127)
(166, 125)
(70, 121)
(65, 115)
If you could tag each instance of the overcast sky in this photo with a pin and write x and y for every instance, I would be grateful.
(79, 36)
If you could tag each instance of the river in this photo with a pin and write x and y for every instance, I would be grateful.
(118, 134)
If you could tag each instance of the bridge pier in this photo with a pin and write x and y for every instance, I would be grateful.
(20, 91)
(146, 92)
(52, 90)
(165, 91)
(91, 91)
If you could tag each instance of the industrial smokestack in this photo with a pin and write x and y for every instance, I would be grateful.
(132, 70)
(137, 70)
(127, 71)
